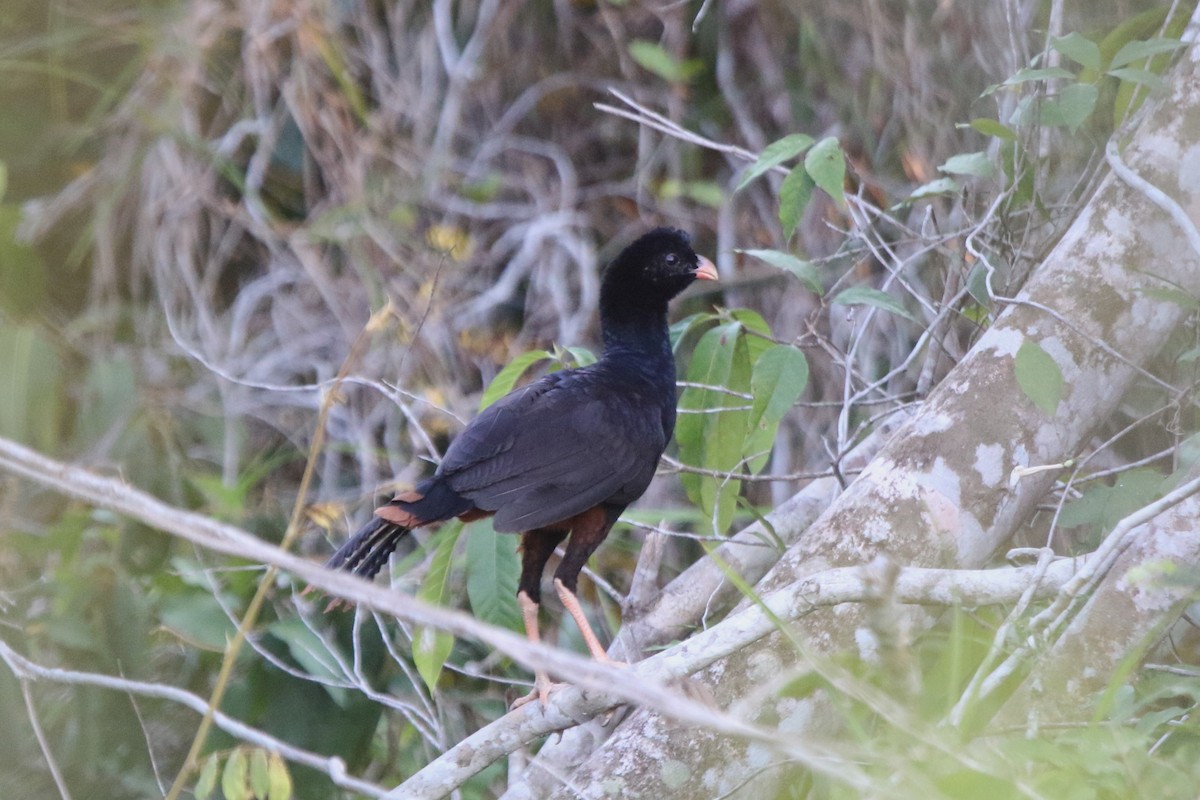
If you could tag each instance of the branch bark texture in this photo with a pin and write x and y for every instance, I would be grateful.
(939, 494)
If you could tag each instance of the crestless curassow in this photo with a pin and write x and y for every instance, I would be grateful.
(566, 453)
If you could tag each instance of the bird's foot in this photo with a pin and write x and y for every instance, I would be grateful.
(542, 686)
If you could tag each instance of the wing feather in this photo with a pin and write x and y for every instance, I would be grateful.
(560, 446)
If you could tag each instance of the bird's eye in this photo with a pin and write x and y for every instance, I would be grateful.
(672, 259)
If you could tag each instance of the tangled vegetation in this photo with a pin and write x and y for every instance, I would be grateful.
(226, 226)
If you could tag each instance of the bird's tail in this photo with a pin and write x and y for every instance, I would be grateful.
(367, 551)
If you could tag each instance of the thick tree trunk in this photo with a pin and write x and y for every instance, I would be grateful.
(939, 494)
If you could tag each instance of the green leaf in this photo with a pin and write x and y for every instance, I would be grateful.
(977, 284)
(507, 378)
(1137, 50)
(779, 377)
(208, 778)
(682, 329)
(3, 179)
(803, 270)
(311, 653)
(234, 779)
(1142, 76)
(933, 188)
(653, 58)
(1072, 106)
(978, 164)
(866, 296)
(493, 568)
(24, 286)
(1105, 506)
(1081, 50)
(794, 194)
(583, 357)
(281, 779)
(1039, 377)
(775, 154)
(198, 619)
(31, 391)
(1028, 74)
(260, 780)
(992, 127)
(827, 166)
(432, 647)
(715, 441)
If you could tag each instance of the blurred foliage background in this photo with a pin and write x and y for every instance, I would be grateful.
(203, 202)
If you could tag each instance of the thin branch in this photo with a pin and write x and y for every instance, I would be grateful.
(26, 670)
(31, 710)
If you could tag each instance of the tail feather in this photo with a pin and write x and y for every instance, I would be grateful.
(367, 551)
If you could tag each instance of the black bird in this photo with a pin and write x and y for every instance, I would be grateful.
(567, 453)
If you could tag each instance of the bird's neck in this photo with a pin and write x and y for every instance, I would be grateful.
(640, 340)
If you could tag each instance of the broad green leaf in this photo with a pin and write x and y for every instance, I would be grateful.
(1081, 50)
(715, 441)
(653, 58)
(208, 778)
(24, 286)
(3, 179)
(775, 154)
(260, 779)
(582, 356)
(803, 270)
(307, 649)
(31, 390)
(493, 568)
(1137, 50)
(709, 365)
(794, 194)
(827, 166)
(1188, 356)
(198, 619)
(933, 188)
(234, 780)
(1143, 76)
(682, 329)
(779, 377)
(992, 127)
(281, 779)
(432, 647)
(1105, 506)
(978, 164)
(753, 322)
(1071, 108)
(977, 284)
(1039, 377)
(507, 378)
(866, 296)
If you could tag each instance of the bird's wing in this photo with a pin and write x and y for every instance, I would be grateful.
(555, 448)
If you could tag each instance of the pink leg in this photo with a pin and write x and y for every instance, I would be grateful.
(541, 680)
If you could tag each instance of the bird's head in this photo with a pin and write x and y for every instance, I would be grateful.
(653, 269)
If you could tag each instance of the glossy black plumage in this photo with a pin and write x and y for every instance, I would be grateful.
(568, 452)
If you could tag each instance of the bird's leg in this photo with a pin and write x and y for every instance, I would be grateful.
(536, 548)
(571, 603)
(541, 679)
(587, 532)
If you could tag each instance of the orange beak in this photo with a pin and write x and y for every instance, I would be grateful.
(707, 271)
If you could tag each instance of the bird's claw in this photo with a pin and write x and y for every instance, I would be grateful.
(541, 692)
